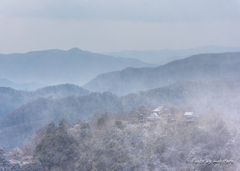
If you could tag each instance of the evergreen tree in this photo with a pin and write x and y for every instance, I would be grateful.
(141, 114)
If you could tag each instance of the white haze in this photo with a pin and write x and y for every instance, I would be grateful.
(105, 26)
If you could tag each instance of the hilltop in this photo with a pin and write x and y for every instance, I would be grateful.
(51, 67)
(202, 67)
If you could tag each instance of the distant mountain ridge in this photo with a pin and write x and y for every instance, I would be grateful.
(53, 67)
(26, 86)
(12, 99)
(161, 57)
(203, 67)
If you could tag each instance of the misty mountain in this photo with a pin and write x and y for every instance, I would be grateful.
(20, 124)
(200, 97)
(26, 86)
(60, 91)
(203, 67)
(12, 99)
(165, 56)
(57, 66)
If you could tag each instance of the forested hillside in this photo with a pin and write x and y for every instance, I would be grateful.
(21, 123)
(117, 142)
(12, 99)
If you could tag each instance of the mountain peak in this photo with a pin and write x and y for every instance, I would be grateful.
(75, 49)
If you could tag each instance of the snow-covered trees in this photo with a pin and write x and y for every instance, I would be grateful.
(119, 145)
(56, 148)
(5, 164)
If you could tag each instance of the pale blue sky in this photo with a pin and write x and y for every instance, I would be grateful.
(115, 25)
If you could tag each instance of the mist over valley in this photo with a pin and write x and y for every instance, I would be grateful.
(119, 85)
(114, 103)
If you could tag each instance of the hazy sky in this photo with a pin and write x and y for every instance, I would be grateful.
(115, 25)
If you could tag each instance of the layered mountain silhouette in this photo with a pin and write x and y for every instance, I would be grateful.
(53, 67)
(203, 67)
(25, 86)
(201, 82)
(12, 99)
(20, 124)
(165, 56)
